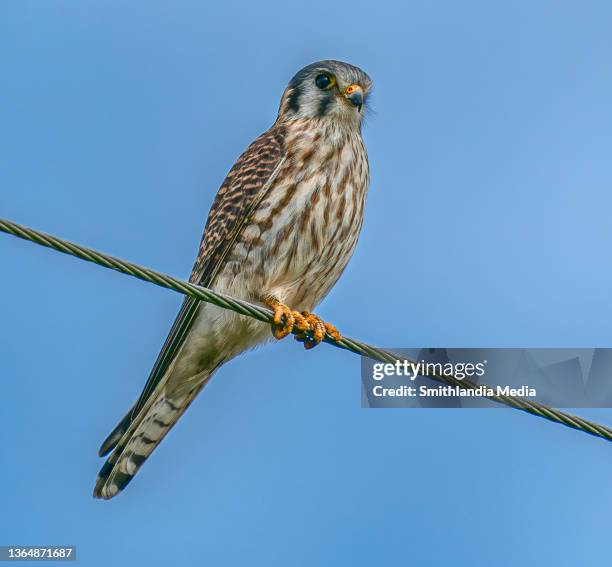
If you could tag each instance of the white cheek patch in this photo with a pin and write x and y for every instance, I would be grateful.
(310, 102)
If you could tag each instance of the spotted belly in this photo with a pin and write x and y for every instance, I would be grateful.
(294, 248)
(304, 232)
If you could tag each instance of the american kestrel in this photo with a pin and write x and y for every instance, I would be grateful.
(280, 232)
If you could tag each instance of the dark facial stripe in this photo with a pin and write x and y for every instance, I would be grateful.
(324, 105)
(293, 99)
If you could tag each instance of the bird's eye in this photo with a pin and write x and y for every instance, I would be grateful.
(324, 81)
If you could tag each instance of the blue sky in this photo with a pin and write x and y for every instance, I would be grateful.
(487, 225)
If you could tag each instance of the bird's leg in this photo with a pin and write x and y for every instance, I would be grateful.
(308, 327)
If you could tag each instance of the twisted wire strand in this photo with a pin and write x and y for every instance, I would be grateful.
(265, 315)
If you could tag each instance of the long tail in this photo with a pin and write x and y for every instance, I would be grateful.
(134, 439)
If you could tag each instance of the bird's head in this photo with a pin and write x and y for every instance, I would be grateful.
(329, 90)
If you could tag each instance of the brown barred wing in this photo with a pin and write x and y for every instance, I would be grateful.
(244, 188)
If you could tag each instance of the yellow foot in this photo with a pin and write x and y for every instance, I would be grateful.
(317, 332)
(285, 320)
(309, 329)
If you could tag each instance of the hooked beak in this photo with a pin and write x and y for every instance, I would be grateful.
(354, 94)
